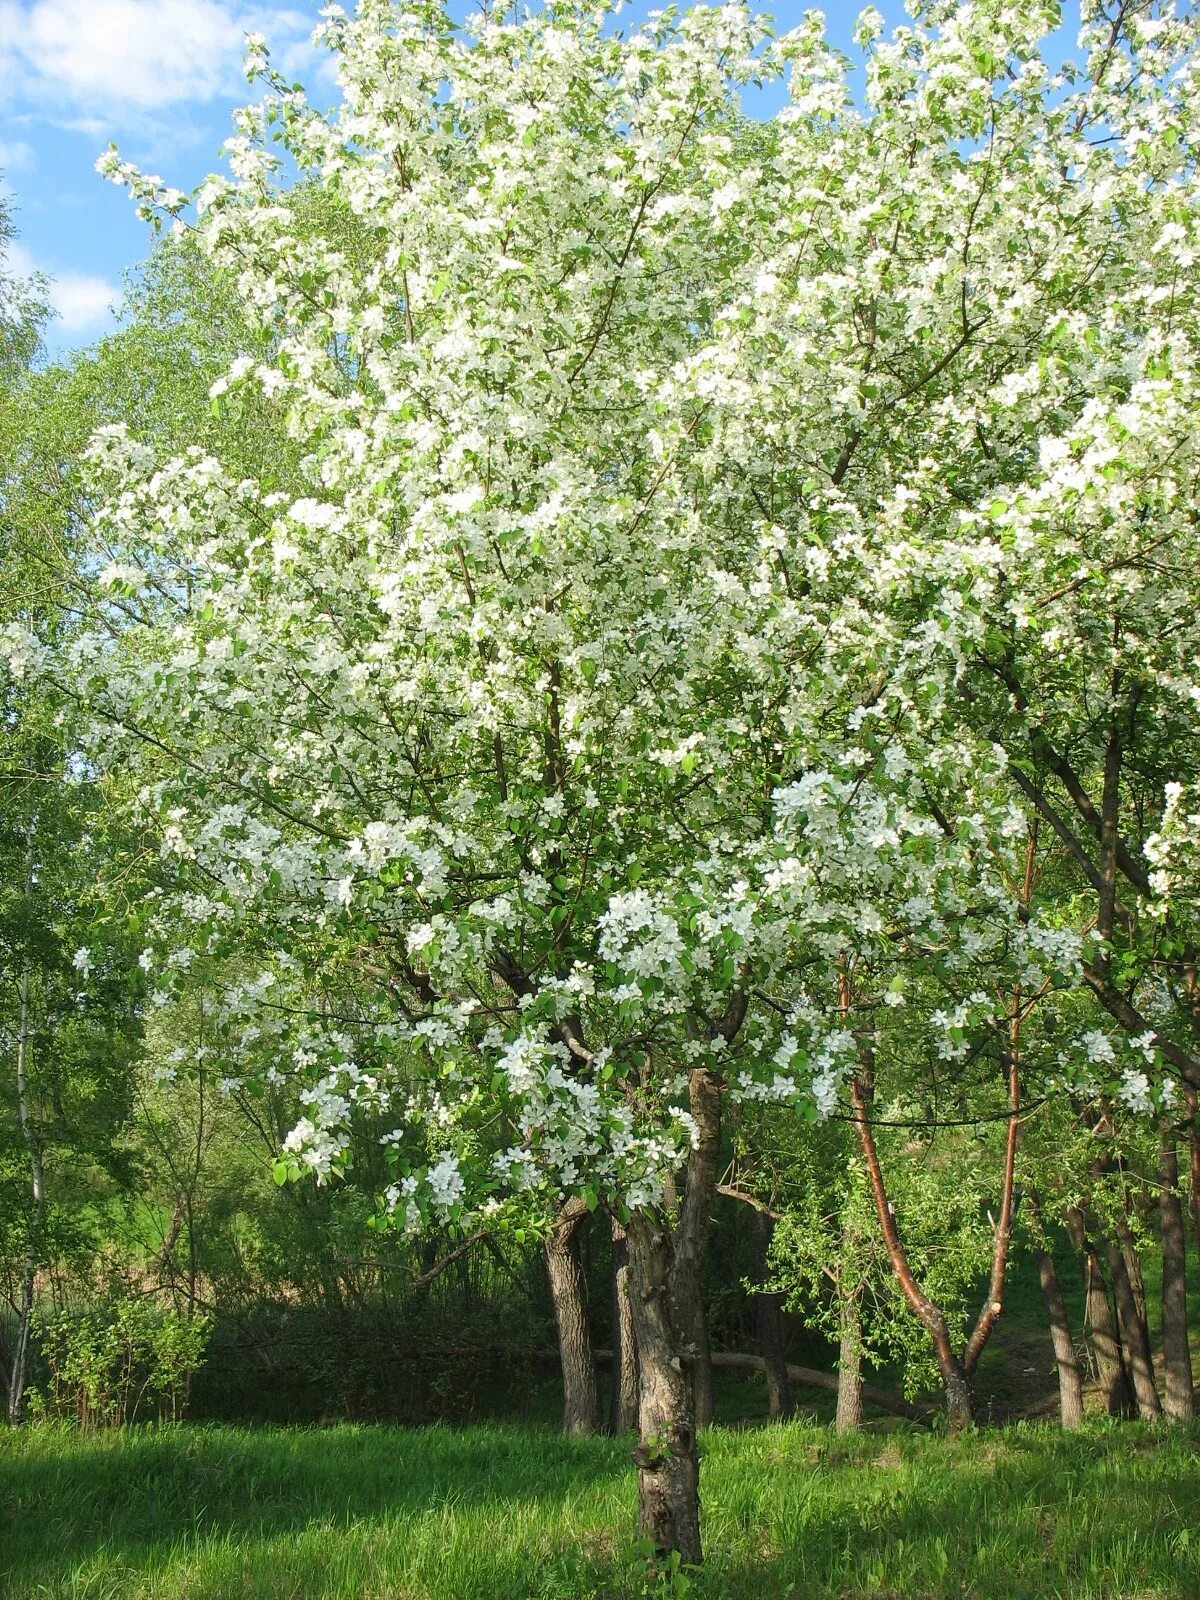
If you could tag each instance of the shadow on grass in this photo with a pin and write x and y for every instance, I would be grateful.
(138, 1494)
(506, 1514)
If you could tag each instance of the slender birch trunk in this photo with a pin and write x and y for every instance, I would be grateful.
(33, 1149)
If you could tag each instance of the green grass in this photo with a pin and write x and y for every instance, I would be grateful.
(498, 1513)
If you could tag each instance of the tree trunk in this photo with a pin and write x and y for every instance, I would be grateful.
(768, 1310)
(568, 1290)
(955, 1372)
(1177, 1360)
(1114, 1380)
(1110, 1368)
(1134, 1337)
(1194, 1165)
(955, 1381)
(33, 1149)
(1070, 1383)
(623, 1400)
(1133, 1268)
(667, 1457)
(849, 1418)
(687, 1267)
(992, 1307)
(960, 1402)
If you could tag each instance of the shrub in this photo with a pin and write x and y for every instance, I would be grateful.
(111, 1364)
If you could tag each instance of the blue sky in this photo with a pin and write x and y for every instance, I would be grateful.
(159, 78)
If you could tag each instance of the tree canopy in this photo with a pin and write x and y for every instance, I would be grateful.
(671, 611)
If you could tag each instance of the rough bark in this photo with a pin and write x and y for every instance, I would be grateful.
(849, 1417)
(33, 1150)
(568, 1290)
(623, 1396)
(1133, 1267)
(1179, 1399)
(671, 1329)
(781, 1402)
(690, 1310)
(1135, 1338)
(1106, 1346)
(1193, 1127)
(667, 1457)
(1066, 1361)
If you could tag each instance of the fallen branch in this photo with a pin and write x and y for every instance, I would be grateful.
(882, 1399)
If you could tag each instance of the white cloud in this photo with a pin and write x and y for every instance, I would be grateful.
(79, 57)
(15, 156)
(17, 261)
(81, 302)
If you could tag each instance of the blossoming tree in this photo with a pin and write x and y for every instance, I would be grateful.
(603, 715)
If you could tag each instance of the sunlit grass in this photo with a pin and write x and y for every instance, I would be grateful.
(493, 1513)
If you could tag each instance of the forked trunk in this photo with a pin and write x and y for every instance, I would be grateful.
(1177, 1360)
(955, 1381)
(623, 1399)
(1135, 1337)
(667, 1457)
(781, 1401)
(568, 1290)
(960, 1402)
(955, 1371)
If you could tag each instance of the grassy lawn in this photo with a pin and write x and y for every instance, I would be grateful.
(497, 1513)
